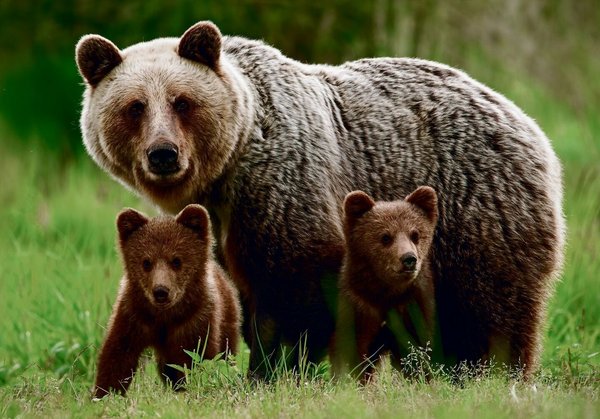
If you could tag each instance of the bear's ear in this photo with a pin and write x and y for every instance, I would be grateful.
(356, 204)
(195, 217)
(96, 57)
(129, 221)
(201, 43)
(425, 198)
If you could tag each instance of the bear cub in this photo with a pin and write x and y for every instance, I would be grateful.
(172, 296)
(387, 274)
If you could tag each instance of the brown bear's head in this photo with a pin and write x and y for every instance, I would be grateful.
(165, 257)
(163, 116)
(388, 240)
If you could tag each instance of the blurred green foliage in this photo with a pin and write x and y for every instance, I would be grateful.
(554, 42)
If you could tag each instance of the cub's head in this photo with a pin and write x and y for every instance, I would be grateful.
(390, 240)
(162, 116)
(165, 257)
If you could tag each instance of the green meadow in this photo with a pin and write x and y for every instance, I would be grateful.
(59, 273)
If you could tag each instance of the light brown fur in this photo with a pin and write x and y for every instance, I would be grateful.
(172, 296)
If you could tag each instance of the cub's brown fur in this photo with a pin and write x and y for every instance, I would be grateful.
(387, 268)
(172, 295)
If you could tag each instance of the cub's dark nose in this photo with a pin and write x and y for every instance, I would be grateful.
(161, 294)
(409, 261)
(162, 158)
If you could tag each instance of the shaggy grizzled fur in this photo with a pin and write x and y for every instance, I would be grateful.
(172, 296)
(271, 146)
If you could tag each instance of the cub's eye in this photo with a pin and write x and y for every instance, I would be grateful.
(136, 109)
(181, 105)
(386, 239)
(414, 236)
(147, 265)
(176, 263)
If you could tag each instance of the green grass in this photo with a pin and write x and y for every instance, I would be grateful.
(218, 392)
(60, 271)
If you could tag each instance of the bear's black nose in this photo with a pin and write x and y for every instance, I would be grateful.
(162, 158)
(409, 261)
(161, 294)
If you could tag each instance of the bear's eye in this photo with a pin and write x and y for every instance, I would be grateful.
(181, 105)
(136, 109)
(386, 239)
(147, 265)
(414, 236)
(176, 263)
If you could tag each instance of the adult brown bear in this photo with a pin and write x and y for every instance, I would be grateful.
(271, 146)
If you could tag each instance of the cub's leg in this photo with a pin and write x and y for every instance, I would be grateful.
(119, 357)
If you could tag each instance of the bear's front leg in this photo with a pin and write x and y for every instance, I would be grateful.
(118, 358)
(170, 375)
(369, 345)
(265, 346)
(171, 357)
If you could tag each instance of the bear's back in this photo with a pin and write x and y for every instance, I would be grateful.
(386, 126)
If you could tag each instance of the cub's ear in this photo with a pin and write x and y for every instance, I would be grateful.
(425, 198)
(96, 57)
(356, 204)
(195, 217)
(201, 43)
(129, 221)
